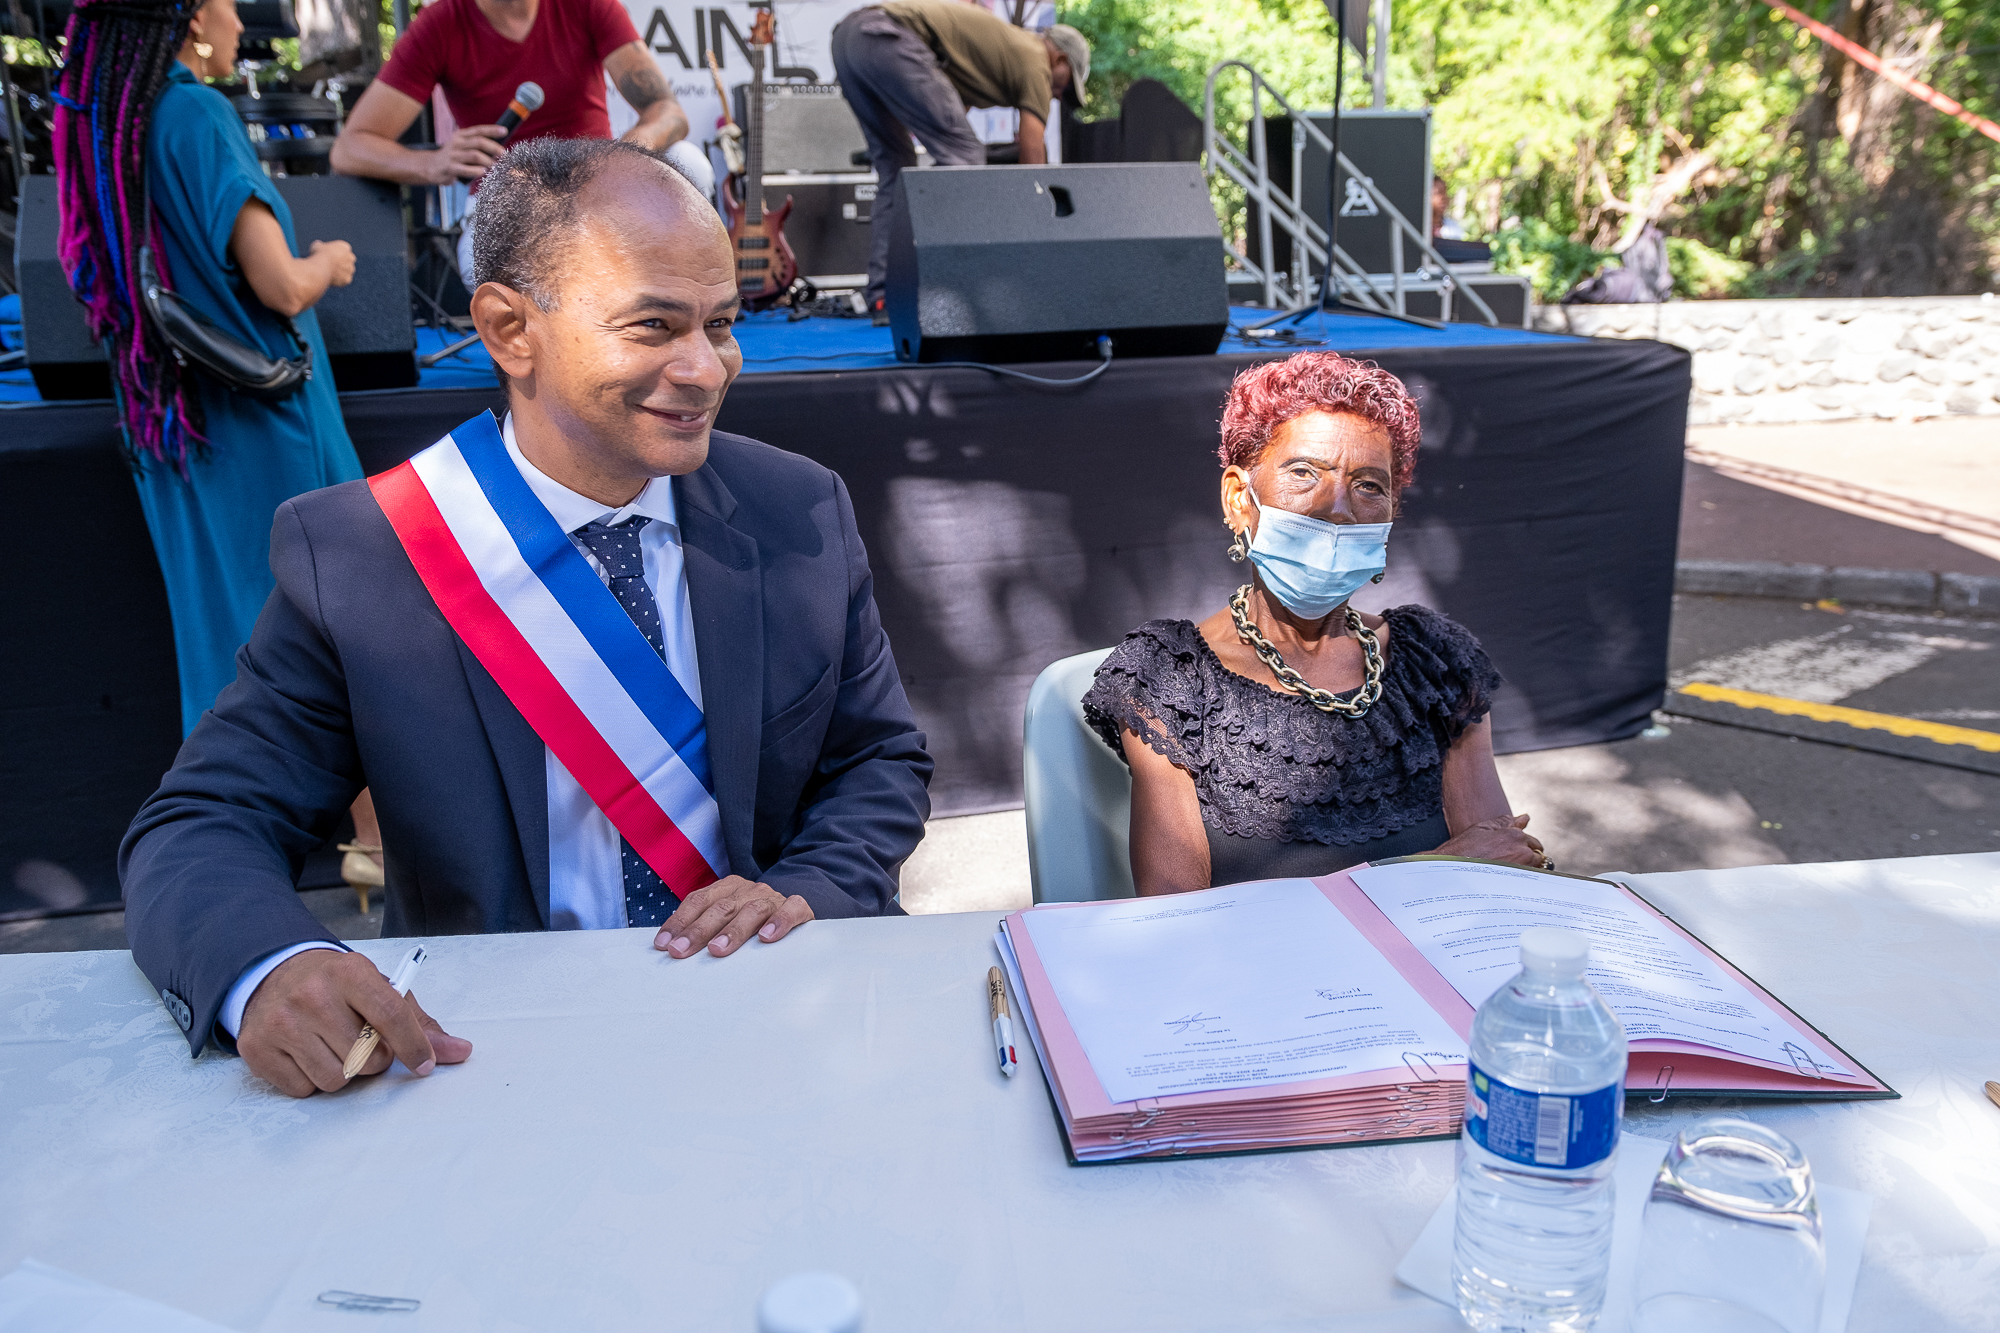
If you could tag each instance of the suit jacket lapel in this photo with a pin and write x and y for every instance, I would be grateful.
(725, 593)
(519, 754)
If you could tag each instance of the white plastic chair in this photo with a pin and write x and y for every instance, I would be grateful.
(1078, 793)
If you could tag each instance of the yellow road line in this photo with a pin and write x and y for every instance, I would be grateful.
(1943, 734)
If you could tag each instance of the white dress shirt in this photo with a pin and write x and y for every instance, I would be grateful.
(586, 872)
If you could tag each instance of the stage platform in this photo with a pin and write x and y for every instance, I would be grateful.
(1008, 525)
(773, 343)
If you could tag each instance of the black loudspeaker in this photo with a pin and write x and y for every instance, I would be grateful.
(1033, 263)
(1391, 148)
(367, 325)
(1153, 125)
(65, 359)
(369, 335)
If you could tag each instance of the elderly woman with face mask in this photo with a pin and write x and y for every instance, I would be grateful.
(1290, 734)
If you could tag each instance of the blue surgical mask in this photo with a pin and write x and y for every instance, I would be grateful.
(1310, 565)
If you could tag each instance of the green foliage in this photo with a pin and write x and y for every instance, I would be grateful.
(1549, 259)
(25, 51)
(1553, 118)
(1290, 42)
(1794, 273)
(1699, 271)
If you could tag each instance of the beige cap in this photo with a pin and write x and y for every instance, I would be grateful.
(1077, 51)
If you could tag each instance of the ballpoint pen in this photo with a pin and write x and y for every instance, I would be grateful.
(1003, 1022)
(364, 1045)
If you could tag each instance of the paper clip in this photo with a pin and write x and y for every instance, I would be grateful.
(1661, 1082)
(1427, 1074)
(354, 1300)
(1802, 1061)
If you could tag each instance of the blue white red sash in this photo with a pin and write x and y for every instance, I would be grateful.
(514, 587)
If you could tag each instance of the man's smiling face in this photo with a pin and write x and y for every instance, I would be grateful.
(631, 361)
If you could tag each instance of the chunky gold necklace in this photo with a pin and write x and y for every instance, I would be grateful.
(1324, 700)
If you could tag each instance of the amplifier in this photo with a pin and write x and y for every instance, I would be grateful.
(1032, 263)
(828, 227)
(1507, 294)
(807, 127)
(369, 335)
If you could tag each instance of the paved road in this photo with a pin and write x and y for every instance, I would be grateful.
(1940, 462)
(1707, 795)
(1700, 796)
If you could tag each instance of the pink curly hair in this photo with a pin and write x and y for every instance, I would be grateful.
(1265, 397)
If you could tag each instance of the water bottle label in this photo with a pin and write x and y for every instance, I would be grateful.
(1539, 1129)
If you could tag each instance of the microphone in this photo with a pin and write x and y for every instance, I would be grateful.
(527, 100)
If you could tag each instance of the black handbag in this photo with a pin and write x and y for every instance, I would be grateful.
(197, 342)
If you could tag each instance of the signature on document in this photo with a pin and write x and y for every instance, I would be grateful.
(1332, 994)
(1194, 1022)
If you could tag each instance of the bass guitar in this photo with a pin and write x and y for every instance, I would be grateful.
(765, 266)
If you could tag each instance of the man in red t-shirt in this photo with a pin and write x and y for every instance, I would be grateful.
(479, 52)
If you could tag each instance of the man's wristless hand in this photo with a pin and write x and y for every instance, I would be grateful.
(471, 152)
(726, 914)
(305, 1017)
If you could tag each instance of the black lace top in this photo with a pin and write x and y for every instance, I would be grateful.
(1273, 768)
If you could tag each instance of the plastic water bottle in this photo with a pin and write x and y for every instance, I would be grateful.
(1545, 1097)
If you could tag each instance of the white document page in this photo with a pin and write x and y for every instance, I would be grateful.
(1236, 987)
(1467, 921)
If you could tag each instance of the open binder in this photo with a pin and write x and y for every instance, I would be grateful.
(1336, 1011)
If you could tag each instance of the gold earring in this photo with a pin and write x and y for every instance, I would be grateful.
(1239, 548)
(203, 50)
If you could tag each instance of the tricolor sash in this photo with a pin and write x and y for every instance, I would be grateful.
(514, 587)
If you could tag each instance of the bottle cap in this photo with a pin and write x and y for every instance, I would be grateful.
(810, 1303)
(1553, 949)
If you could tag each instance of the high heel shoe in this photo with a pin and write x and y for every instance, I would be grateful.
(358, 868)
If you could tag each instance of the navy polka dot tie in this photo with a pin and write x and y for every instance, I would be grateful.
(648, 900)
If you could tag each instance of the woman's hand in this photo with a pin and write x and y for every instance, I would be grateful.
(1502, 838)
(338, 256)
(283, 281)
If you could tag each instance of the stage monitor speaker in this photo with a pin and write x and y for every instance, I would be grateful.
(1033, 263)
(1507, 294)
(366, 325)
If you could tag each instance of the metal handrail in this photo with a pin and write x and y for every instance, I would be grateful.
(1288, 211)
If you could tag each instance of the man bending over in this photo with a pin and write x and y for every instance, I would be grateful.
(912, 67)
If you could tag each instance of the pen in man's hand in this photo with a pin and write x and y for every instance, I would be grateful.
(364, 1045)
(1003, 1022)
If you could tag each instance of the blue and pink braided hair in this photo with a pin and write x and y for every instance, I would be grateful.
(119, 55)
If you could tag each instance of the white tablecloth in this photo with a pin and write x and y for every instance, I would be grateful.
(644, 1144)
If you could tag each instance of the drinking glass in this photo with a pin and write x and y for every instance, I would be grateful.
(1731, 1242)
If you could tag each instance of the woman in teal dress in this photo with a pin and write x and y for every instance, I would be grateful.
(147, 154)
(212, 466)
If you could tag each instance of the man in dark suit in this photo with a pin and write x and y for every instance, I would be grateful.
(607, 293)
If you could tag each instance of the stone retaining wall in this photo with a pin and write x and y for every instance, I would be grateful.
(1811, 360)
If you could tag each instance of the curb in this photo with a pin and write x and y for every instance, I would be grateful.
(1912, 589)
(1682, 705)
